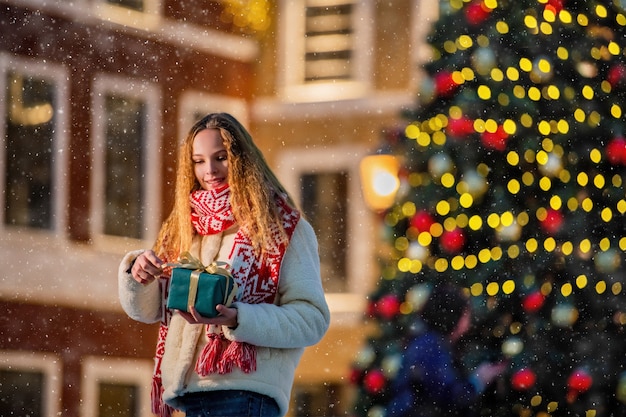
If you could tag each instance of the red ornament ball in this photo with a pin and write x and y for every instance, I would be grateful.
(374, 381)
(533, 302)
(422, 220)
(555, 5)
(444, 84)
(495, 140)
(388, 306)
(552, 222)
(476, 13)
(452, 241)
(616, 151)
(460, 127)
(616, 75)
(580, 380)
(523, 379)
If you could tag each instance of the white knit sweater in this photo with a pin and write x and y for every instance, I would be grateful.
(280, 331)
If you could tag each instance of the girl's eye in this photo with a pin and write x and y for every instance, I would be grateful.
(197, 161)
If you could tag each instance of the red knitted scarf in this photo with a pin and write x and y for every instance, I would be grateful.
(256, 276)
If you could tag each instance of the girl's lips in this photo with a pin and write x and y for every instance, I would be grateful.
(214, 182)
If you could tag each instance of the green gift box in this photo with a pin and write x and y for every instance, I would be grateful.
(194, 284)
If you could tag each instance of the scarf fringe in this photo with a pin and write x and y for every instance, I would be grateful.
(214, 359)
(208, 361)
(242, 355)
(158, 407)
(155, 395)
(166, 410)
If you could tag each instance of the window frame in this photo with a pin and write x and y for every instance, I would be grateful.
(148, 92)
(291, 64)
(293, 163)
(149, 19)
(49, 365)
(58, 75)
(98, 369)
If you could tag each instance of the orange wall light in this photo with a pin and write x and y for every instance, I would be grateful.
(379, 180)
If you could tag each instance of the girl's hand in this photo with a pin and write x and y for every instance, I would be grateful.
(227, 316)
(147, 267)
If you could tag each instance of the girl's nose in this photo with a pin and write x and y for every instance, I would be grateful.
(212, 168)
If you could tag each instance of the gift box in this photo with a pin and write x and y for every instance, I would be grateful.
(194, 284)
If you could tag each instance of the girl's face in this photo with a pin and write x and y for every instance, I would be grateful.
(210, 161)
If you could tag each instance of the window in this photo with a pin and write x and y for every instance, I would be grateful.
(33, 177)
(29, 384)
(29, 138)
(116, 387)
(125, 159)
(322, 49)
(325, 182)
(324, 202)
(329, 42)
(118, 400)
(124, 147)
(20, 393)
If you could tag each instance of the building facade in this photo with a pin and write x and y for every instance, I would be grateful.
(335, 74)
(96, 95)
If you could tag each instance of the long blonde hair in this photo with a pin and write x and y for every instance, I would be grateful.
(253, 188)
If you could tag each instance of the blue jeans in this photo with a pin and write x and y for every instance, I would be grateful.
(229, 403)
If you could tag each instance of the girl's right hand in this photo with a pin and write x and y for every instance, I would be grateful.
(147, 267)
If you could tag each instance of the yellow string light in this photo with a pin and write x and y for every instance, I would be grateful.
(567, 248)
(616, 111)
(534, 94)
(441, 265)
(616, 288)
(530, 22)
(545, 28)
(484, 256)
(464, 42)
(471, 261)
(601, 11)
(565, 17)
(549, 15)
(492, 288)
(566, 289)
(457, 263)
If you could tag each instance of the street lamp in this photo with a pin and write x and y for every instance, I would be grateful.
(379, 180)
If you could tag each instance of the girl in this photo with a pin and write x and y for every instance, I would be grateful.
(229, 206)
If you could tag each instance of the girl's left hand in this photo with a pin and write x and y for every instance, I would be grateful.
(227, 316)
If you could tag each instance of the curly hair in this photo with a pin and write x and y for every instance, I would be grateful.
(253, 185)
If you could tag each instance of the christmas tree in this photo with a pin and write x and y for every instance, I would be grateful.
(514, 162)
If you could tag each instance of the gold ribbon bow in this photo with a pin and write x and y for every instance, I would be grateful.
(187, 261)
